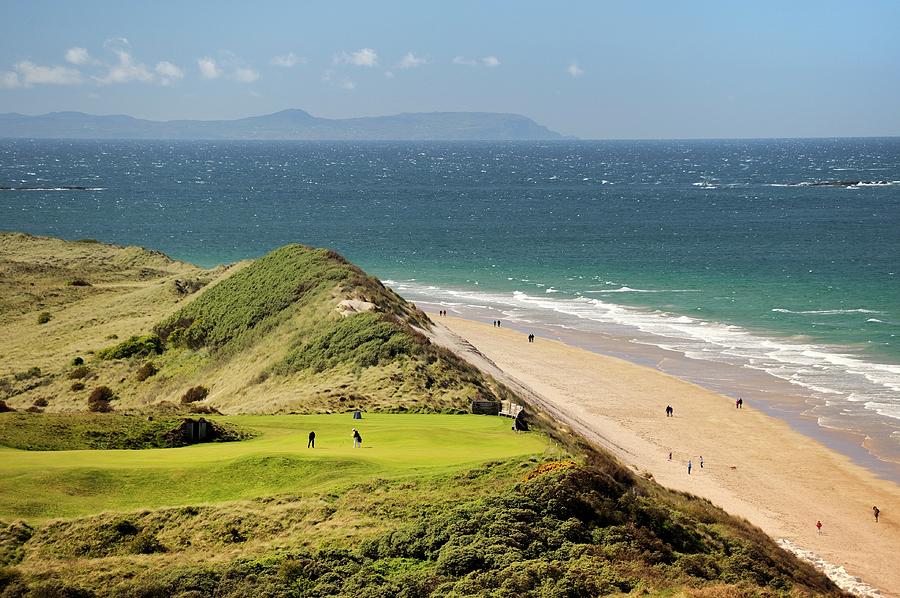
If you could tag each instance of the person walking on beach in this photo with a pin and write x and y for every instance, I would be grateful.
(876, 511)
(312, 440)
(690, 466)
(740, 403)
(357, 439)
(670, 455)
(701, 461)
(819, 527)
(669, 411)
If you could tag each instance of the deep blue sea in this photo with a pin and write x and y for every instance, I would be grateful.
(726, 251)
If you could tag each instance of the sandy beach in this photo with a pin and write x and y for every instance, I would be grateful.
(754, 465)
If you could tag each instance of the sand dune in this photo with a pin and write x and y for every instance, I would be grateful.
(754, 465)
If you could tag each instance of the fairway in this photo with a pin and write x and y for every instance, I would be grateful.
(37, 485)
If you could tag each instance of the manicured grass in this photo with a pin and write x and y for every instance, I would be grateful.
(41, 485)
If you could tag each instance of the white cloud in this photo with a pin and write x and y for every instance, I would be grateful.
(9, 80)
(208, 68)
(411, 61)
(362, 57)
(168, 72)
(574, 70)
(288, 60)
(126, 70)
(488, 61)
(244, 75)
(389, 74)
(30, 74)
(79, 56)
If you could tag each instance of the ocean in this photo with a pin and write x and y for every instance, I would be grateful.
(773, 259)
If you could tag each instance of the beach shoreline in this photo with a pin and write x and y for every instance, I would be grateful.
(754, 464)
(776, 397)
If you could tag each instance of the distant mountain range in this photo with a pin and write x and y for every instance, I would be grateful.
(287, 124)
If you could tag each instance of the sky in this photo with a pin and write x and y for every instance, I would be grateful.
(630, 69)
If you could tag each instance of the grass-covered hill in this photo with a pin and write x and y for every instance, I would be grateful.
(434, 503)
(297, 330)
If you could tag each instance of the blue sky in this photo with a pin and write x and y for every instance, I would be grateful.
(592, 69)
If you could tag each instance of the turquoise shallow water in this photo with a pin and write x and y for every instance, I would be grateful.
(727, 251)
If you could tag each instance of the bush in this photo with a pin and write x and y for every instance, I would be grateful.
(77, 361)
(34, 409)
(4, 408)
(197, 393)
(82, 371)
(136, 346)
(40, 402)
(146, 543)
(44, 317)
(77, 386)
(99, 400)
(98, 406)
(79, 282)
(34, 372)
(145, 371)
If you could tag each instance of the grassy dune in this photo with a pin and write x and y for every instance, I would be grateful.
(37, 485)
(299, 330)
(433, 505)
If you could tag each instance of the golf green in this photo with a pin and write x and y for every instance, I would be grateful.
(37, 485)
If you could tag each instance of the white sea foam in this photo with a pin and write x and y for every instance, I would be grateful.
(630, 290)
(836, 573)
(826, 372)
(827, 312)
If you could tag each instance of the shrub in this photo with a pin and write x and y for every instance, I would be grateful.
(79, 282)
(34, 372)
(145, 371)
(146, 543)
(204, 410)
(40, 402)
(197, 393)
(44, 317)
(82, 371)
(136, 346)
(34, 409)
(4, 408)
(99, 400)
(98, 406)
(77, 386)
(77, 361)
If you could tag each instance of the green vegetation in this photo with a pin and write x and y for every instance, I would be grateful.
(38, 485)
(44, 317)
(365, 339)
(84, 431)
(136, 346)
(254, 298)
(434, 505)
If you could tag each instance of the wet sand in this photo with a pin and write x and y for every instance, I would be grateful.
(754, 465)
